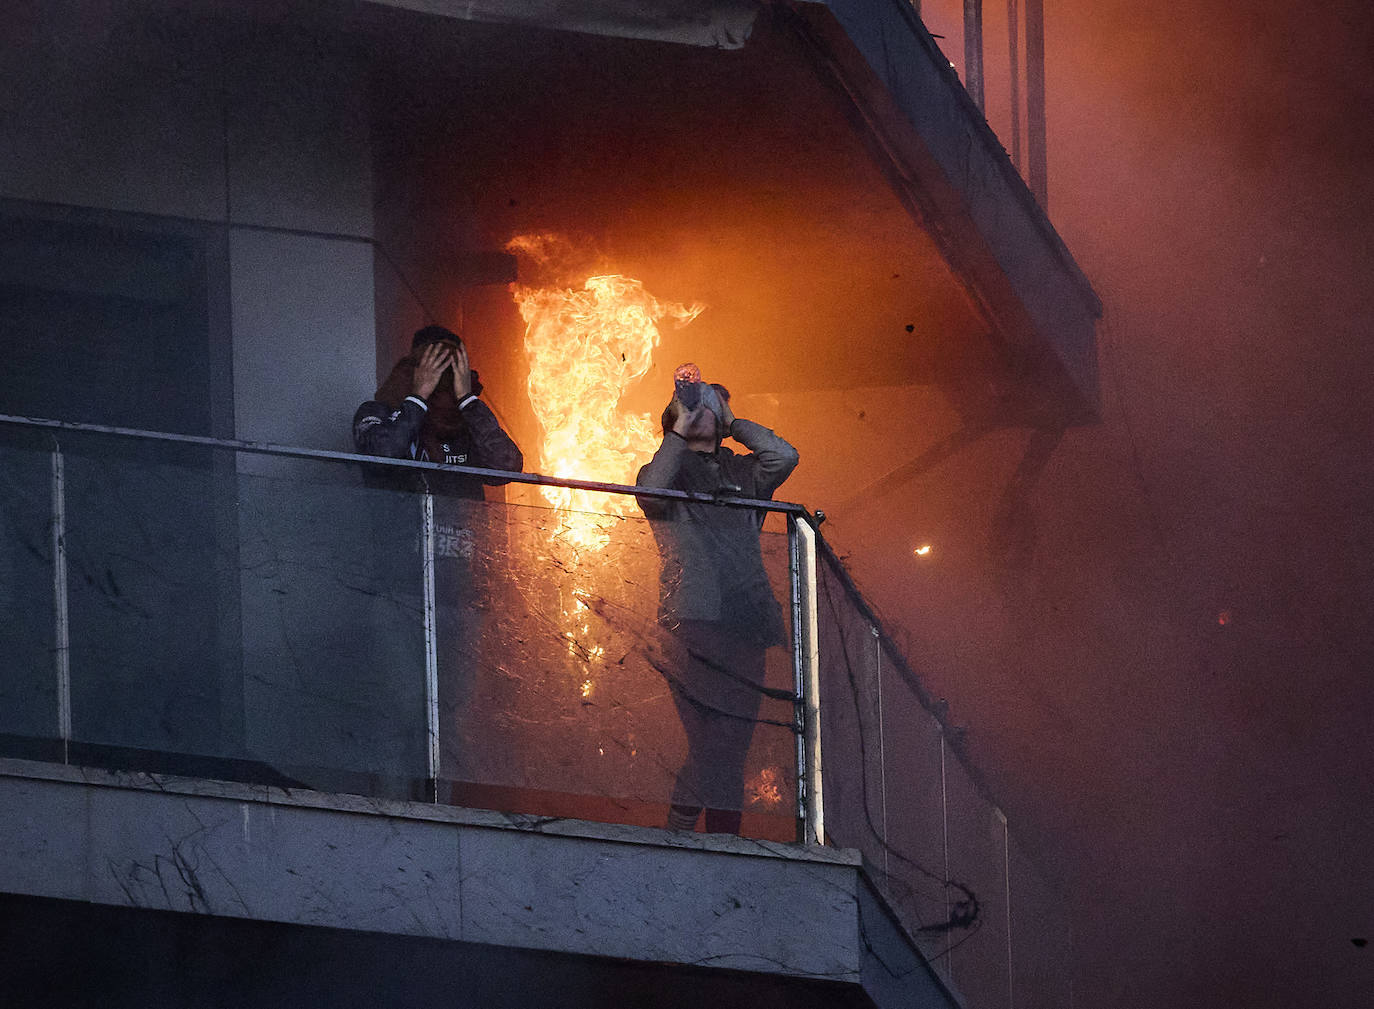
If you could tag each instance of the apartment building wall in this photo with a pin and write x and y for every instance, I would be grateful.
(249, 134)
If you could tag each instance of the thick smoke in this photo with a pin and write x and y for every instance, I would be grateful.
(1180, 677)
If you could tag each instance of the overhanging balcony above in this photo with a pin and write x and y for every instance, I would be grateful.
(717, 23)
(996, 284)
(950, 169)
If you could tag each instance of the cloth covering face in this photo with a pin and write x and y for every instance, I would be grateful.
(712, 561)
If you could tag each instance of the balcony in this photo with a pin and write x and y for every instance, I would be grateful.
(279, 688)
(280, 726)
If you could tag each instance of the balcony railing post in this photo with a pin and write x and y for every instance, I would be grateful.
(1037, 159)
(973, 50)
(798, 670)
(882, 741)
(431, 641)
(944, 844)
(61, 626)
(1006, 887)
(1014, 67)
(806, 665)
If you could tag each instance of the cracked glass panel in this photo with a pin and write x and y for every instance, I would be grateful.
(28, 666)
(884, 780)
(144, 558)
(224, 623)
(563, 693)
(276, 620)
(332, 600)
(977, 960)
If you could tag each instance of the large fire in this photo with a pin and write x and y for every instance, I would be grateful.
(585, 349)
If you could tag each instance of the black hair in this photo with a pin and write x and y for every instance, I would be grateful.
(433, 334)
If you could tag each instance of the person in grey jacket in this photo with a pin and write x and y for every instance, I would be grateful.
(715, 597)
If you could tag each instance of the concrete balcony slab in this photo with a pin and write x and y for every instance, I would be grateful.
(224, 851)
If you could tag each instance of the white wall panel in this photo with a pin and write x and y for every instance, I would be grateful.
(299, 151)
(102, 107)
(304, 341)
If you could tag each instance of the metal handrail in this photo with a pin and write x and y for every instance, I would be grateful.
(953, 733)
(294, 452)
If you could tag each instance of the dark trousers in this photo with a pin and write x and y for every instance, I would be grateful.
(717, 691)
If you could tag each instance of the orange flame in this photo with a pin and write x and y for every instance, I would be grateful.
(766, 788)
(585, 349)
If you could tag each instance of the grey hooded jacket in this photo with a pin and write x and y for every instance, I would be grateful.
(712, 563)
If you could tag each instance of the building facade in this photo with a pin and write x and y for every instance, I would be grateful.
(238, 734)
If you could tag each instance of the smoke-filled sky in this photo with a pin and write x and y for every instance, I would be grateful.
(1212, 169)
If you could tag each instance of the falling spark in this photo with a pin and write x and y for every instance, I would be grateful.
(923, 550)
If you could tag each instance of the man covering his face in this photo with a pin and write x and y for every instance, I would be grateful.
(428, 409)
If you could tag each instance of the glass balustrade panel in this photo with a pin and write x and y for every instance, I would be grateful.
(29, 670)
(975, 948)
(595, 664)
(850, 726)
(914, 855)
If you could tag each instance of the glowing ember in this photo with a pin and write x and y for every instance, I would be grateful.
(766, 788)
(923, 550)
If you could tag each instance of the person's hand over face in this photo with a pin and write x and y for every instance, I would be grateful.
(682, 423)
(462, 373)
(727, 416)
(695, 424)
(428, 370)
